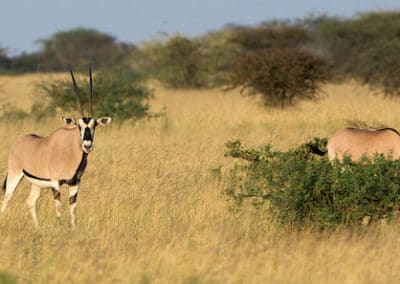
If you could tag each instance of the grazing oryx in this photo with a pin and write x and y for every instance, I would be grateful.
(357, 143)
(49, 162)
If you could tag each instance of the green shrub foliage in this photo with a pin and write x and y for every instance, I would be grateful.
(300, 189)
(117, 92)
(176, 62)
(269, 35)
(280, 75)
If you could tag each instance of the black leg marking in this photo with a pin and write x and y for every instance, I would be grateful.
(5, 184)
(73, 198)
(56, 194)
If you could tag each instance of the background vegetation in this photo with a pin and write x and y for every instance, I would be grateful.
(281, 75)
(176, 62)
(75, 47)
(117, 92)
(364, 48)
(261, 59)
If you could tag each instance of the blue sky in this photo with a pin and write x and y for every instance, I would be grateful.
(22, 22)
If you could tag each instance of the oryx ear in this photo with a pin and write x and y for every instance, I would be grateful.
(69, 120)
(104, 120)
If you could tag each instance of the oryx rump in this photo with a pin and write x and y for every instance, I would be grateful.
(357, 143)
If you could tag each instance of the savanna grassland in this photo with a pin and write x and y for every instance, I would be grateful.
(151, 207)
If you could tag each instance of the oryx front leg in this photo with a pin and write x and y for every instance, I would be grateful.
(73, 195)
(32, 198)
(57, 200)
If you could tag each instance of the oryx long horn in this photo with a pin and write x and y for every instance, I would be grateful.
(76, 91)
(91, 91)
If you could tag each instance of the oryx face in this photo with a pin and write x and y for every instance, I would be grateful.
(86, 127)
(86, 124)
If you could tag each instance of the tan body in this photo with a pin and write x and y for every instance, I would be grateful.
(55, 157)
(47, 162)
(357, 143)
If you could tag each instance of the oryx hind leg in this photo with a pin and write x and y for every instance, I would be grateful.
(73, 196)
(32, 198)
(12, 180)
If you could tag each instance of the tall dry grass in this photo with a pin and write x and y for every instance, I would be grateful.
(150, 207)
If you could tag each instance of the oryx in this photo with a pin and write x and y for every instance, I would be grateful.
(357, 143)
(49, 162)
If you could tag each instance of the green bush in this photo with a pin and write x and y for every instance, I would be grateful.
(272, 60)
(12, 113)
(280, 75)
(299, 189)
(117, 92)
(175, 62)
(269, 35)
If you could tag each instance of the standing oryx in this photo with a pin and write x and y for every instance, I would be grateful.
(49, 162)
(357, 143)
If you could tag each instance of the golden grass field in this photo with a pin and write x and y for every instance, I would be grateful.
(151, 210)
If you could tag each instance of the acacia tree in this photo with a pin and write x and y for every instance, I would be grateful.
(80, 46)
(175, 62)
(269, 35)
(281, 76)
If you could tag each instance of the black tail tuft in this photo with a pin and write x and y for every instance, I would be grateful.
(316, 150)
(5, 184)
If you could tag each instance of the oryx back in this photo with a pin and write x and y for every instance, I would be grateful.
(357, 143)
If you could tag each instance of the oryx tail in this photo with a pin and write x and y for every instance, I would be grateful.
(357, 143)
(316, 150)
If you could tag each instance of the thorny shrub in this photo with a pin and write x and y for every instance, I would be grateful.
(300, 189)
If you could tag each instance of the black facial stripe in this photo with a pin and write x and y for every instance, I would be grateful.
(86, 119)
(87, 135)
